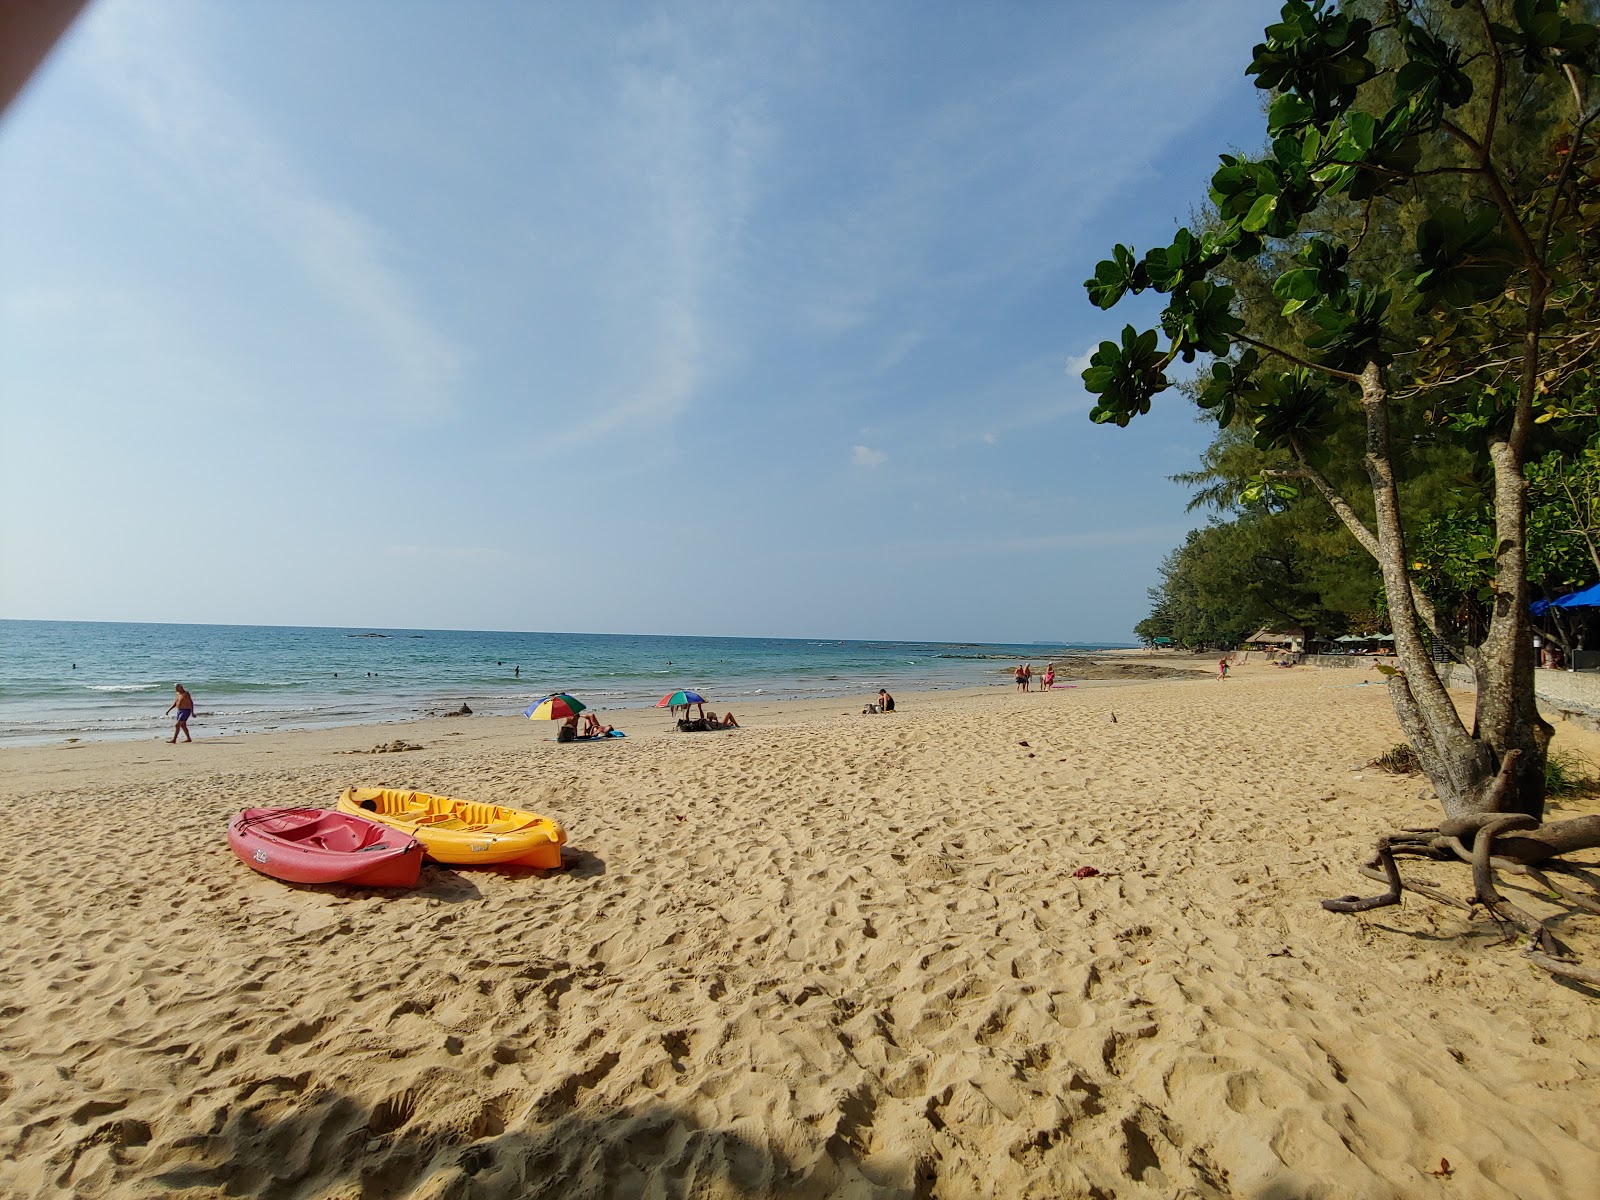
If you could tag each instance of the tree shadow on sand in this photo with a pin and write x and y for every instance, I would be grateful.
(332, 1145)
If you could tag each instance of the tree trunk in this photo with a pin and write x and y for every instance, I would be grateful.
(1462, 766)
(1507, 713)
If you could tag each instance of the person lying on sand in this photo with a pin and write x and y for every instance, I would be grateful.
(727, 722)
(593, 728)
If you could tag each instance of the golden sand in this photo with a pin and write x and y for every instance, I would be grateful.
(828, 954)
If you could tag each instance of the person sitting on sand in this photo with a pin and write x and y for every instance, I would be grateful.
(569, 729)
(593, 728)
(885, 701)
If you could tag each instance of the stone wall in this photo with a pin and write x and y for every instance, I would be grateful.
(1565, 691)
(1352, 661)
(1575, 692)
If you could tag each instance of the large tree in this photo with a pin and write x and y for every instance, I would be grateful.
(1469, 122)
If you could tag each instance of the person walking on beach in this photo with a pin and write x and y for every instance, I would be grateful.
(1027, 677)
(1049, 676)
(1222, 668)
(1022, 679)
(185, 706)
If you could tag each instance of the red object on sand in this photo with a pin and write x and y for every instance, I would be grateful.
(318, 845)
(1084, 872)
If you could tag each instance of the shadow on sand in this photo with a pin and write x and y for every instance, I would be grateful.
(331, 1145)
(575, 864)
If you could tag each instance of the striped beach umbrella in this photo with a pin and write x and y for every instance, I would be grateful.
(557, 706)
(680, 700)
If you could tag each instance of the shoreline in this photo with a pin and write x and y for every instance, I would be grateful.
(399, 708)
(24, 767)
(990, 944)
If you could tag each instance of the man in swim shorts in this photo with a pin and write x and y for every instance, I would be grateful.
(185, 706)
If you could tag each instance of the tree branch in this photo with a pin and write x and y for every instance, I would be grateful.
(1295, 359)
(1502, 198)
(1566, 167)
(1369, 542)
(1582, 529)
(1495, 88)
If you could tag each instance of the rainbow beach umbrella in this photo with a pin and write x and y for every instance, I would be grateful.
(680, 700)
(557, 706)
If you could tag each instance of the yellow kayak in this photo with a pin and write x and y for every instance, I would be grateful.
(461, 831)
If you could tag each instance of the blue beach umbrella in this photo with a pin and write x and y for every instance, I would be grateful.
(1589, 597)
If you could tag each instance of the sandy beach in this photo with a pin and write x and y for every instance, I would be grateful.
(825, 955)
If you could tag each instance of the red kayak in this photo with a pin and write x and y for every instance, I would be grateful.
(318, 845)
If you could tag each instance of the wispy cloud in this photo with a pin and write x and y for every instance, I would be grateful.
(984, 191)
(1077, 364)
(146, 59)
(682, 143)
(865, 456)
(984, 546)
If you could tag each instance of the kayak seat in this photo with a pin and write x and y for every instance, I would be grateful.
(439, 820)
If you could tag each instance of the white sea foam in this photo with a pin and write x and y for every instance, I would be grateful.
(123, 687)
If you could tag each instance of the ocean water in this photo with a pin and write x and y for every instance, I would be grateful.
(102, 680)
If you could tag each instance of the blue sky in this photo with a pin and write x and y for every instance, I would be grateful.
(722, 318)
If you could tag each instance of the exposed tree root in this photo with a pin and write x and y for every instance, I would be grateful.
(1567, 970)
(1490, 842)
(1576, 899)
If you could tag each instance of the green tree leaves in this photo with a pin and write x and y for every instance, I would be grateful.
(1114, 277)
(1462, 260)
(1433, 77)
(1296, 406)
(1349, 330)
(1321, 273)
(1231, 388)
(1317, 53)
(1125, 377)
(1201, 318)
(1543, 34)
(1185, 262)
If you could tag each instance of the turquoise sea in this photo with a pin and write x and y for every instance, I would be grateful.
(103, 680)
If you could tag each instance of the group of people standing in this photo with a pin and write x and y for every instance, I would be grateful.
(1024, 674)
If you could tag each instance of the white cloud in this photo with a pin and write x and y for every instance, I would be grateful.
(865, 456)
(222, 148)
(1077, 364)
(679, 143)
(989, 439)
